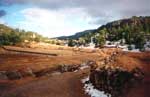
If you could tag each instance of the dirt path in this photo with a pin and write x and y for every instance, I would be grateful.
(63, 85)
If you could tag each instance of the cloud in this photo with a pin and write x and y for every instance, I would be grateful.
(53, 23)
(2, 21)
(102, 9)
(2, 13)
(63, 17)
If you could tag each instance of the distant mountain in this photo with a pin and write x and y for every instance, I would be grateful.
(77, 35)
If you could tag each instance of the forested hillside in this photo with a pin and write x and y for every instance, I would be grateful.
(10, 36)
(135, 30)
(127, 28)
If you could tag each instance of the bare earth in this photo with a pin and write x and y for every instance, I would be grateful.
(141, 60)
(66, 84)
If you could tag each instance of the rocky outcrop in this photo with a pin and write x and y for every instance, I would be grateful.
(13, 75)
(16, 74)
(115, 81)
(28, 72)
(106, 76)
(68, 68)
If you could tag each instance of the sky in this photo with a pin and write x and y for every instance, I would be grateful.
(53, 18)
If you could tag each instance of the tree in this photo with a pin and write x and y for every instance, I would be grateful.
(140, 40)
(101, 39)
(81, 41)
(71, 43)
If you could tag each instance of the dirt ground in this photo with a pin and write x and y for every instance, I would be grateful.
(67, 84)
(64, 85)
(141, 60)
(13, 61)
(19, 61)
(131, 60)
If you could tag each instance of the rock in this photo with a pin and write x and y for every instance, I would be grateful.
(68, 68)
(55, 73)
(13, 75)
(43, 72)
(114, 80)
(3, 75)
(87, 82)
(138, 74)
(27, 72)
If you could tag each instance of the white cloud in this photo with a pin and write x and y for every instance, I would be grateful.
(2, 21)
(54, 23)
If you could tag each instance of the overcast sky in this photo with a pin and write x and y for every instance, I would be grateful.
(54, 18)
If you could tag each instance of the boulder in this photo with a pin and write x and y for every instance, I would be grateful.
(27, 72)
(13, 75)
(3, 75)
(68, 68)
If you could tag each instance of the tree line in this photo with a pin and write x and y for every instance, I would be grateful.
(9, 36)
(135, 30)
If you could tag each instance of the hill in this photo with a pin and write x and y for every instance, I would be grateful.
(11, 36)
(126, 27)
(134, 30)
(77, 35)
